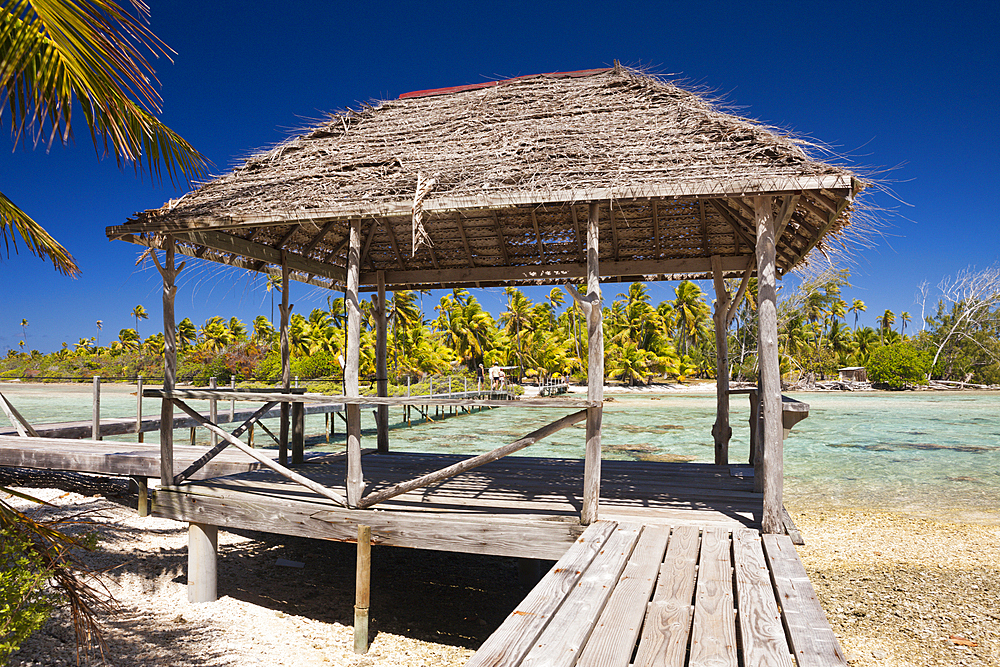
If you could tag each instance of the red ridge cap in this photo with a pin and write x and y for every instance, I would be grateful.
(432, 92)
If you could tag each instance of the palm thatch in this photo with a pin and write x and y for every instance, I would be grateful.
(498, 177)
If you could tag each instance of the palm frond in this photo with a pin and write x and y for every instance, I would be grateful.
(14, 222)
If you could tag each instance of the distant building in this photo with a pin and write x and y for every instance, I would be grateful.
(853, 374)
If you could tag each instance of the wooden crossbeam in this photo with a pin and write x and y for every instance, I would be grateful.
(656, 227)
(614, 230)
(307, 248)
(253, 453)
(17, 420)
(555, 273)
(577, 234)
(473, 462)
(704, 228)
(500, 238)
(395, 245)
(202, 461)
(368, 241)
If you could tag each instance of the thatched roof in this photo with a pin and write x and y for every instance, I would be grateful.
(506, 170)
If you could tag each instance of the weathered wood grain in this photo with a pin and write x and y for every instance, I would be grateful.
(614, 637)
(761, 631)
(713, 633)
(564, 637)
(812, 640)
(518, 634)
(668, 622)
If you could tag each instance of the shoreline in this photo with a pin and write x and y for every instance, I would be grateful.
(899, 591)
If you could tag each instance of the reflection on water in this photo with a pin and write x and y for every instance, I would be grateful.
(922, 452)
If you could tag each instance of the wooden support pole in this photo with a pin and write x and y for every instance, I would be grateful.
(595, 372)
(381, 363)
(355, 480)
(95, 430)
(286, 364)
(298, 432)
(169, 274)
(362, 589)
(142, 486)
(213, 410)
(138, 409)
(203, 547)
(721, 431)
(770, 375)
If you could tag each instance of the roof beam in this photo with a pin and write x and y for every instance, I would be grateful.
(576, 232)
(614, 229)
(556, 273)
(704, 228)
(734, 219)
(465, 240)
(501, 239)
(656, 227)
(262, 253)
(538, 237)
(395, 245)
(308, 248)
(231, 259)
(784, 215)
(709, 189)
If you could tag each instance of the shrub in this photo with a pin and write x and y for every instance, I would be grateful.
(897, 366)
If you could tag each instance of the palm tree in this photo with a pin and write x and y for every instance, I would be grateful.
(100, 325)
(61, 55)
(904, 318)
(187, 333)
(24, 328)
(885, 323)
(858, 306)
(690, 312)
(139, 313)
(273, 284)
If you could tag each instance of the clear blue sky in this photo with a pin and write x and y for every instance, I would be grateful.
(909, 86)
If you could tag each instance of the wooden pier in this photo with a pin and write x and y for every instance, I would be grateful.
(639, 594)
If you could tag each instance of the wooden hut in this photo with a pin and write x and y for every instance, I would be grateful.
(596, 175)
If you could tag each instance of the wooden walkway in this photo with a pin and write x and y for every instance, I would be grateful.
(643, 595)
(517, 506)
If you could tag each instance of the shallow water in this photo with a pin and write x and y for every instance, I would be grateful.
(923, 452)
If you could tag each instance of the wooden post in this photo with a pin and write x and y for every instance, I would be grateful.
(298, 432)
(595, 372)
(95, 429)
(286, 364)
(138, 409)
(721, 431)
(355, 480)
(381, 363)
(770, 376)
(142, 486)
(203, 546)
(232, 403)
(362, 591)
(169, 274)
(213, 410)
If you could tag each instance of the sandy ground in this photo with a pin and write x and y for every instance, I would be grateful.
(899, 591)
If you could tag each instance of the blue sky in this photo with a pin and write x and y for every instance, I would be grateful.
(906, 87)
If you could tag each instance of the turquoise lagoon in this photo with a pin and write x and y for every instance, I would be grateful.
(926, 453)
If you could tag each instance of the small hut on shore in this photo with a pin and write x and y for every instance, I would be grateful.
(588, 176)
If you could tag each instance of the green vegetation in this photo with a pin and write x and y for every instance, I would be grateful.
(672, 340)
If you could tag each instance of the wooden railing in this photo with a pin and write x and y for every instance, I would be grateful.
(270, 399)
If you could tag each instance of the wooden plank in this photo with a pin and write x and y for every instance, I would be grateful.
(523, 536)
(371, 401)
(812, 639)
(217, 449)
(761, 630)
(713, 635)
(233, 244)
(668, 621)
(563, 639)
(515, 637)
(614, 637)
(17, 420)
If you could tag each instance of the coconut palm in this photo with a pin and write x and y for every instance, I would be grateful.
(100, 325)
(885, 323)
(904, 319)
(61, 55)
(139, 313)
(690, 312)
(187, 333)
(24, 328)
(858, 306)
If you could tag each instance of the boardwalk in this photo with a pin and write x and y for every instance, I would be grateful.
(518, 506)
(643, 595)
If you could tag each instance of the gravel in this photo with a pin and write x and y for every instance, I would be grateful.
(898, 591)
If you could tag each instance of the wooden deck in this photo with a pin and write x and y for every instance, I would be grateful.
(518, 506)
(642, 595)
